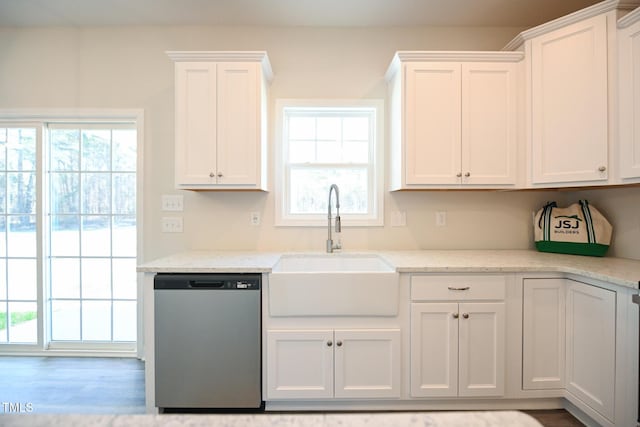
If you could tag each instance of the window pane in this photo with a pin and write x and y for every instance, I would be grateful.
(3, 148)
(65, 278)
(124, 279)
(3, 280)
(3, 236)
(22, 193)
(328, 128)
(329, 152)
(124, 321)
(3, 192)
(96, 278)
(124, 150)
(4, 321)
(302, 127)
(65, 235)
(64, 149)
(21, 153)
(23, 322)
(356, 128)
(355, 152)
(96, 150)
(22, 236)
(22, 279)
(310, 190)
(96, 193)
(96, 320)
(96, 235)
(65, 320)
(124, 235)
(65, 192)
(302, 151)
(124, 193)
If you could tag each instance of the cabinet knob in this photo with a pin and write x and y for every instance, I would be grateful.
(602, 168)
(329, 343)
(468, 174)
(456, 315)
(339, 343)
(465, 315)
(219, 175)
(459, 174)
(212, 175)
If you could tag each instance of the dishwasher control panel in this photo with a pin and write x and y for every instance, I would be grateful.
(211, 281)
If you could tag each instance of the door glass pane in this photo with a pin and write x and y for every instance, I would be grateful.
(65, 235)
(22, 279)
(21, 237)
(96, 150)
(124, 321)
(96, 278)
(65, 193)
(124, 278)
(96, 235)
(22, 192)
(124, 193)
(124, 236)
(124, 150)
(23, 322)
(3, 280)
(21, 149)
(96, 193)
(4, 322)
(3, 236)
(64, 149)
(65, 320)
(96, 321)
(65, 278)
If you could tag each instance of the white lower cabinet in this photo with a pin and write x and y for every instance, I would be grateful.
(591, 346)
(457, 349)
(324, 364)
(543, 340)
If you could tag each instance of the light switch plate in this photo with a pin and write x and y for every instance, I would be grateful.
(172, 224)
(173, 202)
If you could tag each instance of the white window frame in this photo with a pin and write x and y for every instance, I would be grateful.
(375, 217)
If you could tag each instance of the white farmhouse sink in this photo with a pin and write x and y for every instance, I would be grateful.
(333, 285)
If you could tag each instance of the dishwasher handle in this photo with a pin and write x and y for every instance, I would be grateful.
(207, 284)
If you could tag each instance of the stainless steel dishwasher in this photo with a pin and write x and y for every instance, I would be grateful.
(208, 341)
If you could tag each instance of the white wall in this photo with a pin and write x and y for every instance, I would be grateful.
(127, 68)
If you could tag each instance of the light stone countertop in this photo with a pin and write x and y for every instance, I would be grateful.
(618, 271)
(384, 419)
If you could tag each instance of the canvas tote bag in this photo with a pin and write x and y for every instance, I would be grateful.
(579, 229)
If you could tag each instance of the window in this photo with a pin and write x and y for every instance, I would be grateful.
(327, 142)
(68, 230)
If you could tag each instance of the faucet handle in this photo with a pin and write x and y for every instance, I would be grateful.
(338, 224)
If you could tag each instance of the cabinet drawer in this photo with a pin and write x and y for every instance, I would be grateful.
(458, 287)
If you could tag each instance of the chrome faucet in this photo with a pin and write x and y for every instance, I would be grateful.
(330, 245)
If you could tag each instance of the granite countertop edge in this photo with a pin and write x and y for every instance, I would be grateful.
(617, 271)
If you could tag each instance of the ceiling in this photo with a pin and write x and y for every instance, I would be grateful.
(356, 13)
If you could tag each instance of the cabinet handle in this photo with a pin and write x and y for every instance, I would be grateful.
(602, 168)
(456, 315)
(465, 315)
(459, 174)
(212, 175)
(453, 288)
(329, 343)
(219, 175)
(468, 174)
(339, 343)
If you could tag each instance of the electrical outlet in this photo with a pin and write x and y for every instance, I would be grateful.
(172, 202)
(255, 218)
(172, 224)
(441, 218)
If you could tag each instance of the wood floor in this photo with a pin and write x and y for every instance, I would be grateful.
(110, 386)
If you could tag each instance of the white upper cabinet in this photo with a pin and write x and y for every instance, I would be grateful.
(629, 96)
(453, 119)
(569, 98)
(220, 120)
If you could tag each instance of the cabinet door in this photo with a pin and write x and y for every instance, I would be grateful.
(629, 93)
(482, 348)
(543, 346)
(367, 363)
(432, 123)
(238, 133)
(569, 103)
(196, 115)
(489, 123)
(434, 349)
(591, 346)
(299, 364)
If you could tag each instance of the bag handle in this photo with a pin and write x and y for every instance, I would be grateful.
(546, 217)
(586, 212)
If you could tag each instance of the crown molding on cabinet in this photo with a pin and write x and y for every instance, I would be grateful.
(457, 56)
(630, 18)
(596, 9)
(222, 56)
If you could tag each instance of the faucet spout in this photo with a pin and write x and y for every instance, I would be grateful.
(330, 245)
